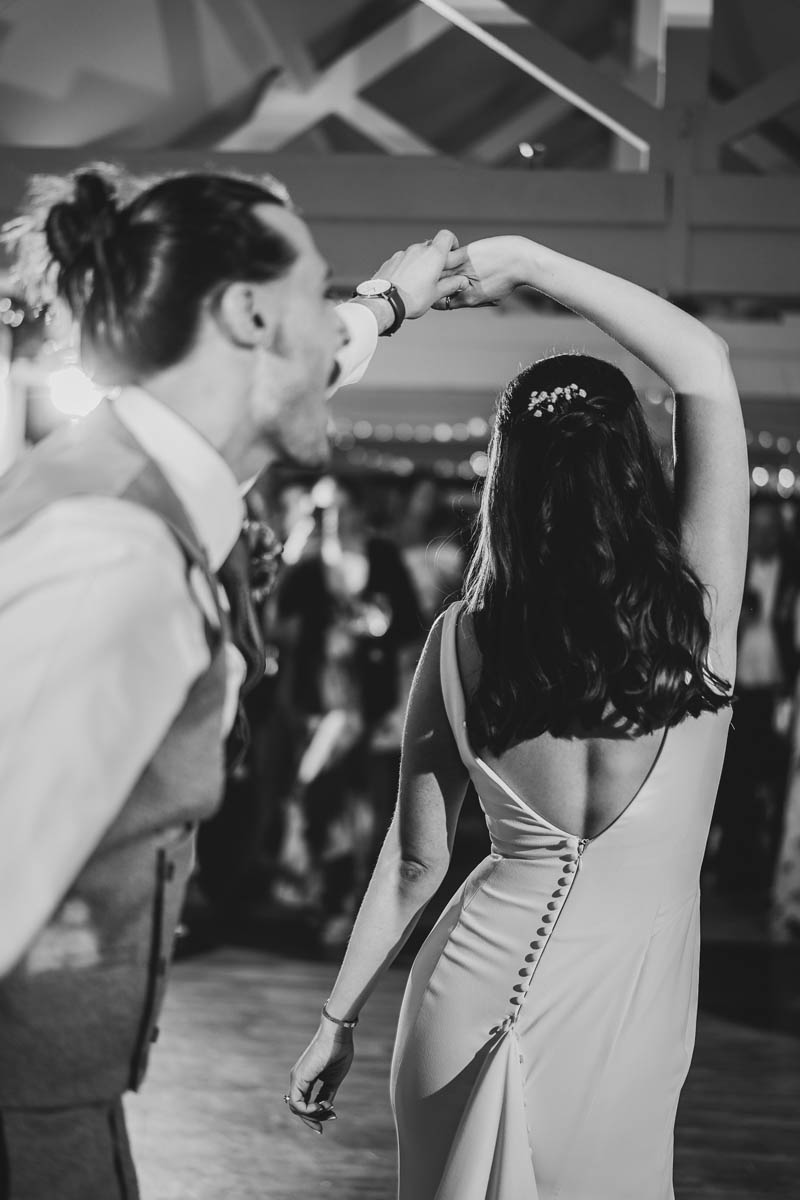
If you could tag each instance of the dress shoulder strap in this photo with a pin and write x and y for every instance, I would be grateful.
(452, 691)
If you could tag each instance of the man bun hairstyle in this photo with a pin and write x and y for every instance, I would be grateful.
(135, 263)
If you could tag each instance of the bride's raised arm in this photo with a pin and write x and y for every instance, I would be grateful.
(711, 473)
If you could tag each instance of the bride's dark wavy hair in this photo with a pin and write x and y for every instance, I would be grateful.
(585, 611)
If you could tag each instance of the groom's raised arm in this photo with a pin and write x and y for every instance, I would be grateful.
(416, 274)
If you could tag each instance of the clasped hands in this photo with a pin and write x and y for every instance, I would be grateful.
(441, 274)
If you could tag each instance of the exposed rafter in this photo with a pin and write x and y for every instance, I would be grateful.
(646, 75)
(768, 98)
(389, 134)
(569, 76)
(288, 48)
(488, 12)
(286, 111)
(527, 124)
(533, 120)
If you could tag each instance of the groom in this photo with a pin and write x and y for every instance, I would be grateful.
(119, 667)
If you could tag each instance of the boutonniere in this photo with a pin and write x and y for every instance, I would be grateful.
(265, 558)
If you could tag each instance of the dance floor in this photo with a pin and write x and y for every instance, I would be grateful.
(210, 1123)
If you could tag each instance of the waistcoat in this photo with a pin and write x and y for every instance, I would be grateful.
(76, 1026)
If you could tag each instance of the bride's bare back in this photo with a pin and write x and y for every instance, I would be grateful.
(581, 783)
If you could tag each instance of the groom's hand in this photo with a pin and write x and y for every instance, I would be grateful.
(422, 273)
(492, 268)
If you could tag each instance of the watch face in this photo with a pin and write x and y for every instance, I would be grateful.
(373, 287)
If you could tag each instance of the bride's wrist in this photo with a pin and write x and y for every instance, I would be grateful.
(532, 263)
(335, 1028)
(334, 1034)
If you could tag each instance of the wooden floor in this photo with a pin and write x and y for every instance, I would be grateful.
(210, 1123)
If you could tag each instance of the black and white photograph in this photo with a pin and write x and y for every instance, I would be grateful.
(400, 599)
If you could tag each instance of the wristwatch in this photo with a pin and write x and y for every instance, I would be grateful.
(384, 289)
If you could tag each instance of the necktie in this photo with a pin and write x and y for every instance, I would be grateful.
(247, 576)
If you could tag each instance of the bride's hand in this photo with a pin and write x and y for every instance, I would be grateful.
(325, 1061)
(493, 267)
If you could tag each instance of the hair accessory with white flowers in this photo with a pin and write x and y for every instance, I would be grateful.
(555, 401)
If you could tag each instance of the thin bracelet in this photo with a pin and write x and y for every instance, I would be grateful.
(344, 1024)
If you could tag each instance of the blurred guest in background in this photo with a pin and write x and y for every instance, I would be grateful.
(345, 609)
(785, 906)
(785, 899)
(750, 805)
(432, 547)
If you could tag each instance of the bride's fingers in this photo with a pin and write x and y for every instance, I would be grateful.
(456, 258)
(452, 286)
(300, 1101)
(327, 1094)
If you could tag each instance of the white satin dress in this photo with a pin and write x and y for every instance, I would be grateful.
(549, 1018)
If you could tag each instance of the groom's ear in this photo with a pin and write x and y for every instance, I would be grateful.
(245, 313)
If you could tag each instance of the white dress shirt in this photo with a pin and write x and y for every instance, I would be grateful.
(100, 642)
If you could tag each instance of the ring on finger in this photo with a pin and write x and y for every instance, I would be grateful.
(447, 301)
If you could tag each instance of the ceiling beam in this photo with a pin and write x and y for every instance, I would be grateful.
(645, 76)
(742, 232)
(534, 119)
(687, 62)
(489, 12)
(768, 98)
(528, 124)
(571, 77)
(687, 51)
(285, 113)
(382, 129)
(287, 46)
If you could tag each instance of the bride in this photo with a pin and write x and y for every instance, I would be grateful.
(582, 686)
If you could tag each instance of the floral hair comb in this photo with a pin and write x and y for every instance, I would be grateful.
(555, 401)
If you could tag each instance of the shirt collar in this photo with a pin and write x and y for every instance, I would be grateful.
(199, 476)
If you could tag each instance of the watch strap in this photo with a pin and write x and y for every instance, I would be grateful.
(395, 299)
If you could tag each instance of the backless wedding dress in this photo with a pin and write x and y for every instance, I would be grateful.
(549, 1018)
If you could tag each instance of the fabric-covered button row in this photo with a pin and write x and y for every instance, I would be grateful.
(565, 882)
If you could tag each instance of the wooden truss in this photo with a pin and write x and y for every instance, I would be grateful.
(666, 216)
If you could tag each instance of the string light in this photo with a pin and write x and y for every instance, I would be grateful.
(349, 433)
(479, 461)
(13, 317)
(476, 429)
(72, 392)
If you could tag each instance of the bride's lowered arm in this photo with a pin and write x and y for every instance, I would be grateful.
(409, 870)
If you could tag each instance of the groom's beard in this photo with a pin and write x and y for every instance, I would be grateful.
(333, 378)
